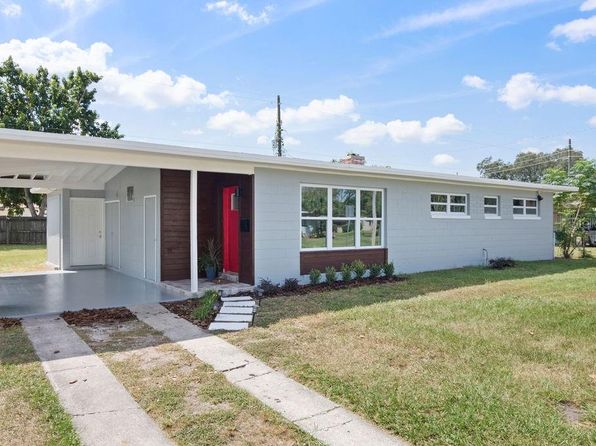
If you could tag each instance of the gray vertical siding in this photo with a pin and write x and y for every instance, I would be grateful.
(53, 228)
(145, 182)
(415, 241)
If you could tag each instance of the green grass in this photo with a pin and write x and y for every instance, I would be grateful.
(30, 413)
(191, 402)
(466, 356)
(22, 258)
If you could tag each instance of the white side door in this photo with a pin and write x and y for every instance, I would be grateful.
(87, 242)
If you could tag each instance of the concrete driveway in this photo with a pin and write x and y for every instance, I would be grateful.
(54, 292)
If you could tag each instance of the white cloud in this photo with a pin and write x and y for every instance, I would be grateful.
(364, 134)
(151, 89)
(576, 31)
(592, 121)
(462, 13)
(231, 8)
(524, 88)
(263, 140)
(588, 5)
(403, 131)
(74, 4)
(474, 81)
(10, 9)
(193, 132)
(241, 122)
(553, 46)
(443, 159)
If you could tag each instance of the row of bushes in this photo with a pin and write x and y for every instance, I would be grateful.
(348, 272)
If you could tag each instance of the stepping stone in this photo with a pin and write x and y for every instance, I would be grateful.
(236, 310)
(246, 303)
(233, 318)
(237, 299)
(228, 326)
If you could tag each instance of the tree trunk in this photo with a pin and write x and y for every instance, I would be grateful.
(30, 203)
(43, 206)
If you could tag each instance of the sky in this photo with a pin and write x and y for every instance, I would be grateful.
(425, 85)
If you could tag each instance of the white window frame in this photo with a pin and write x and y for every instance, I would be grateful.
(448, 204)
(330, 218)
(525, 207)
(495, 216)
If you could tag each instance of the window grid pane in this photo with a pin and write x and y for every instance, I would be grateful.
(336, 218)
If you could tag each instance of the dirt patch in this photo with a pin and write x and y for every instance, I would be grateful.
(185, 308)
(6, 322)
(86, 317)
(128, 337)
(573, 413)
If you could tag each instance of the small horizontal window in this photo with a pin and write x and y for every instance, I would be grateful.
(448, 204)
(525, 207)
(491, 207)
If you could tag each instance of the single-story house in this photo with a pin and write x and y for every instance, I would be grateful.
(147, 210)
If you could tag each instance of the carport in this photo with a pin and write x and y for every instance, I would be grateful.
(57, 291)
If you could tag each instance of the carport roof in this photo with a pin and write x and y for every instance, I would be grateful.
(36, 146)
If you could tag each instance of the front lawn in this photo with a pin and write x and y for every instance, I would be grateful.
(30, 413)
(466, 356)
(22, 258)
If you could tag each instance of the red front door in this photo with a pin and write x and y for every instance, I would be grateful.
(231, 229)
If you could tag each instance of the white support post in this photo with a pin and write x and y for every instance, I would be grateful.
(194, 249)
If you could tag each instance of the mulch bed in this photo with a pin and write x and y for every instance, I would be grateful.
(339, 285)
(6, 322)
(87, 317)
(184, 309)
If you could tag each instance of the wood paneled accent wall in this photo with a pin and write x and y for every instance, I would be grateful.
(210, 215)
(175, 224)
(175, 220)
(322, 259)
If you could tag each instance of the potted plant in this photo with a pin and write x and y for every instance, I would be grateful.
(209, 260)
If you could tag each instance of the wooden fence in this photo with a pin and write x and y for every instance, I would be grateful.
(23, 230)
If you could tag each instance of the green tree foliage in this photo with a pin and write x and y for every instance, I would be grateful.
(47, 103)
(574, 208)
(527, 166)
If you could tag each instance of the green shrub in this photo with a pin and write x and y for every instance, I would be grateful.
(359, 269)
(268, 287)
(205, 305)
(290, 285)
(389, 269)
(330, 274)
(314, 276)
(375, 271)
(346, 272)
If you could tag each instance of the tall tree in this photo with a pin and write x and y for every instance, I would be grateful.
(528, 166)
(574, 208)
(47, 103)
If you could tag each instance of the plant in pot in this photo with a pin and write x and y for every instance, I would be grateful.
(209, 260)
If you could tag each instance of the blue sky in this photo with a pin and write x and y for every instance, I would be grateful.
(429, 85)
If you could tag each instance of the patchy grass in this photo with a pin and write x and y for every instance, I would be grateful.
(194, 404)
(577, 254)
(467, 356)
(30, 413)
(22, 258)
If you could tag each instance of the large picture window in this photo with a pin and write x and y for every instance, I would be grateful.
(341, 217)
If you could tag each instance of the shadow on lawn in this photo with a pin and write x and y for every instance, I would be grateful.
(275, 309)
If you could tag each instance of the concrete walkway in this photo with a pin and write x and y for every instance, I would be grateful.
(315, 414)
(103, 412)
